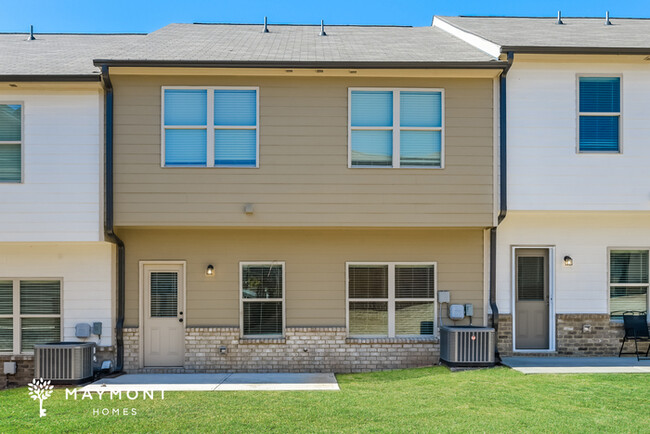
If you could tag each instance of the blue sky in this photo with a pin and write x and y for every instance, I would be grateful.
(146, 16)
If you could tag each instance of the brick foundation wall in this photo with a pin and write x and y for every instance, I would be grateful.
(323, 349)
(504, 334)
(131, 339)
(24, 371)
(602, 339)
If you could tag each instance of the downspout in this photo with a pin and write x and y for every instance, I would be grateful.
(503, 195)
(109, 235)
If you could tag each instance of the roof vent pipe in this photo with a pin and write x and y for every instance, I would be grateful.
(322, 28)
(266, 25)
(607, 22)
(559, 17)
(31, 33)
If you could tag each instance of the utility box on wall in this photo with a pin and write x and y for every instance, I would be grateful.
(9, 368)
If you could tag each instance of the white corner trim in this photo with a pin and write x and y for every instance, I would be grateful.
(482, 44)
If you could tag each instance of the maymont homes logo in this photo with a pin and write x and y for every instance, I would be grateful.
(41, 390)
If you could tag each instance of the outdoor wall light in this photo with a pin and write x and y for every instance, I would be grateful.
(568, 261)
(209, 271)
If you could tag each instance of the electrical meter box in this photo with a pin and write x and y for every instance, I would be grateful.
(82, 330)
(456, 312)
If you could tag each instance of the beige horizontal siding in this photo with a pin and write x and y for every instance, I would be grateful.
(315, 266)
(303, 178)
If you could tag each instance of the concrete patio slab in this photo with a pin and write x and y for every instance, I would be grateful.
(215, 382)
(577, 365)
(280, 382)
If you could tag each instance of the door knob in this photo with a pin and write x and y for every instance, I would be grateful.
(180, 319)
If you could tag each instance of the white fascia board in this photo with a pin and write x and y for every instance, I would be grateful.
(482, 44)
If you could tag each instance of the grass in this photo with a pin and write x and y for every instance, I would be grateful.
(415, 400)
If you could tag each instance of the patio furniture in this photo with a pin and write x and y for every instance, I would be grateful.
(636, 329)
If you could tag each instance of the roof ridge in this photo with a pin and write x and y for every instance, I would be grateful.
(74, 34)
(544, 17)
(298, 25)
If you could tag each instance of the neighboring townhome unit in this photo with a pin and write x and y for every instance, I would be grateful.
(56, 270)
(573, 250)
(293, 200)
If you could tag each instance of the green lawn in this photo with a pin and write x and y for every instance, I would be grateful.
(427, 399)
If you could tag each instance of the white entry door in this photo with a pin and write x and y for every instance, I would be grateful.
(164, 327)
(532, 299)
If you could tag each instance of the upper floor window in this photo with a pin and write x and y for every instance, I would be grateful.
(396, 128)
(628, 282)
(11, 142)
(210, 127)
(599, 114)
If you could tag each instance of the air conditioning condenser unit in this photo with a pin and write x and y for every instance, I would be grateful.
(467, 346)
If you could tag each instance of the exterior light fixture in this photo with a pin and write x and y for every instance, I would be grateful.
(568, 261)
(209, 271)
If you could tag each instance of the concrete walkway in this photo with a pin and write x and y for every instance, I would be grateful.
(215, 382)
(577, 365)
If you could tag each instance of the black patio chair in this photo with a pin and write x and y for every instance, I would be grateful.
(636, 329)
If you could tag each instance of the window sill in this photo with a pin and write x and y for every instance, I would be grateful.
(397, 168)
(257, 340)
(403, 340)
(14, 356)
(210, 167)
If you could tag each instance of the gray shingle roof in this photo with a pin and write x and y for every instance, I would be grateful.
(73, 54)
(579, 33)
(300, 44)
(58, 54)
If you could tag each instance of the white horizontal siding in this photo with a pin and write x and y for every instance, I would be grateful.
(544, 170)
(60, 198)
(86, 270)
(586, 237)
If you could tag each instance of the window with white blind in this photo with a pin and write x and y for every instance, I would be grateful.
(391, 299)
(628, 282)
(30, 313)
(599, 114)
(11, 143)
(210, 127)
(164, 294)
(396, 128)
(262, 299)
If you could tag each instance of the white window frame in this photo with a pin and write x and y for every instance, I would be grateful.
(396, 128)
(17, 316)
(21, 142)
(629, 285)
(210, 125)
(391, 299)
(580, 114)
(242, 300)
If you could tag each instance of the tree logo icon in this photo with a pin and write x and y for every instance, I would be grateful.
(41, 390)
